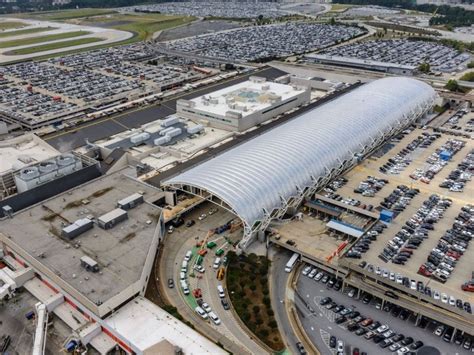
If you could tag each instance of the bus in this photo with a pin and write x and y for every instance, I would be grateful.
(291, 263)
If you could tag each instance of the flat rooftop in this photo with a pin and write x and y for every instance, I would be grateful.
(21, 151)
(163, 158)
(246, 98)
(151, 330)
(121, 251)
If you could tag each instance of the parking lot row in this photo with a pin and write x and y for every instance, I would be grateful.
(259, 43)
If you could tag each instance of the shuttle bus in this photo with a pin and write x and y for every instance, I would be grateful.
(291, 263)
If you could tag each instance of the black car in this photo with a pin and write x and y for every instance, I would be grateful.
(398, 337)
(378, 338)
(340, 319)
(332, 341)
(407, 341)
(190, 223)
(225, 304)
(416, 345)
(325, 300)
(331, 282)
(301, 348)
(366, 299)
(374, 326)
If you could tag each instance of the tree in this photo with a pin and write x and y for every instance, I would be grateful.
(256, 309)
(470, 65)
(468, 76)
(452, 85)
(424, 67)
(332, 21)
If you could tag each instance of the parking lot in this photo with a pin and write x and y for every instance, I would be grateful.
(424, 212)
(405, 52)
(265, 42)
(213, 9)
(39, 93)
(363, 311)
(460, 121)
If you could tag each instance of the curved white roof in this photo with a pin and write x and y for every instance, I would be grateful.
(259, 175)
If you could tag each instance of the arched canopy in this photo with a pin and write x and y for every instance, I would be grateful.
(261, 175)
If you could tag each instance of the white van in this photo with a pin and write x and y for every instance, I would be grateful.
(185, 287)
(182, 276)
(184, 266)
(220, 290)
(217, 262)
(201, 312)
(215, 319)
(188, 255)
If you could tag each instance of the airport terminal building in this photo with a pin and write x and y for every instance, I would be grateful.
(268, 176)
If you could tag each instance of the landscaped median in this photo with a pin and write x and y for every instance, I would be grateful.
(26, 31)
(247, 285)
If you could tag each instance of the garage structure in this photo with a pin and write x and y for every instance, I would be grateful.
(264, 178)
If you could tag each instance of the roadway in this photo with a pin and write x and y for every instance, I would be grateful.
(279, 282)
(229, 332)
(109, 126)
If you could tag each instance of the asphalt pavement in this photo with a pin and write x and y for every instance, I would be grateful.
(319, 322)
(229, 332)
(279, 279)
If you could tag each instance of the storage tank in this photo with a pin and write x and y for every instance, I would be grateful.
(138, 138)
(170, 121)
(195, 129)
(175, 132)
(162, 140)
(46, 167)
(29, 173)
(65, 160)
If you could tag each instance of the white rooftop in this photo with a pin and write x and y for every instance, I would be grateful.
(143, 325)
(255, 95)
(21, 151)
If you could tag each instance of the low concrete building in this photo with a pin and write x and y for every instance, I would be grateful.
(244, 105)
(385, 67)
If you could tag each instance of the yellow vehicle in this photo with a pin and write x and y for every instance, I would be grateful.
(220, 274)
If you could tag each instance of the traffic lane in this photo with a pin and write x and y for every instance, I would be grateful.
(279, 282)
(179, 242)
(309, 289)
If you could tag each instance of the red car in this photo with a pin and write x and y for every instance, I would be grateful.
(468, 286)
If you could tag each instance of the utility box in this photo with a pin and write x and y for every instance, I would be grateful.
(110, 219)
(89, 264)
(130, 202)
(386, 216)
(77, 228)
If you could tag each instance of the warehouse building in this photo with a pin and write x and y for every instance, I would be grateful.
(270, 175)
(244, 105)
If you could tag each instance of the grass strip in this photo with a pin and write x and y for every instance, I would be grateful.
(42, 39)
(51, 46)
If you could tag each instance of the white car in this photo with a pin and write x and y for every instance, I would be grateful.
(378, 271)
(215, 319)
(403, 350)
(392, 276)
(444, 298)
(351, 292)
(170, 229)
(439, 331)
(399, 279)
(436, 295)
(319, 276)
(452, 301)
(203, 216)
(385, 273)
(340, 346)
(313, 273)
(199, 268)
(206, 307)
(306, 270)
(383, 328)
(201, 312)
(217, 263)
(413, 284)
